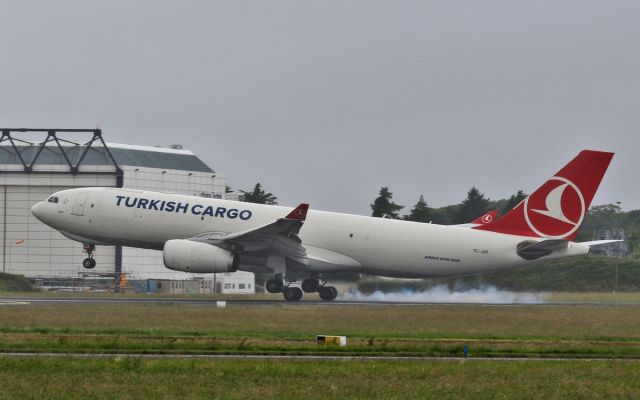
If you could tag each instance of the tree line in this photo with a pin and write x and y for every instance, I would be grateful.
(473, 206)
(383, 206)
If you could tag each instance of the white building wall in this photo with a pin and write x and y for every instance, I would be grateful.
(227, 283)
(240, 282)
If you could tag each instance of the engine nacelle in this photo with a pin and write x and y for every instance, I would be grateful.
(190, 256)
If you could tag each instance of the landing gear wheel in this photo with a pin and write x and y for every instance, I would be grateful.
(89, 263)
(292, 294)
(274, 285)
(310, 285)
(328, 293)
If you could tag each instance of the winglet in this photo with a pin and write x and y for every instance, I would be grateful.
(299, 213)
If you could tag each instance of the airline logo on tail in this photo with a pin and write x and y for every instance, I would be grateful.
(558, 207)
(487, 218)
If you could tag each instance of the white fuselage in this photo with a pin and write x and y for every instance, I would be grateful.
(112, 216)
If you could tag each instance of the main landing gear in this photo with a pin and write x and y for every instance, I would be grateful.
(89, 262)
(294, 293)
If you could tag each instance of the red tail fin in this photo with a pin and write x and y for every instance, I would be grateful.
(557, 208)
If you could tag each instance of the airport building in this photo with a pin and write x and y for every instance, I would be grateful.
(30, 170)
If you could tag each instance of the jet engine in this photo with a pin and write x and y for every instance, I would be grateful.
(190, 256)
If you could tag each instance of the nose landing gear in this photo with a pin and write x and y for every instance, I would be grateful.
(89, 262)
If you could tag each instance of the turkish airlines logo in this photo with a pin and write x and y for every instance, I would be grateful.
(300, 213)
(487, 218)
(556, 210)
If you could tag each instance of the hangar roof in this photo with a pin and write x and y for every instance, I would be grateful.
(125, 155)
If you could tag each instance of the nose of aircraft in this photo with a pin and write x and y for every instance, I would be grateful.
(38, 210)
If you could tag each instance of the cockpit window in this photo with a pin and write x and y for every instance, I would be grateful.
(52, 199)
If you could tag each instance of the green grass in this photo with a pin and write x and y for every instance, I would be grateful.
(15, 283)
(281, 320)
(531, 331)
(132, 378)
(431, 330)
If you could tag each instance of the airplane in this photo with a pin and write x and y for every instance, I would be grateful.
(201, 235)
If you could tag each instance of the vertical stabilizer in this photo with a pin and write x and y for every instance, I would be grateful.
(557, 208)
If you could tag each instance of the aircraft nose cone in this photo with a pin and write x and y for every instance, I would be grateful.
(37, 210)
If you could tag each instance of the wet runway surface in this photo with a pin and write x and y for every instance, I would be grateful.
(252, 302)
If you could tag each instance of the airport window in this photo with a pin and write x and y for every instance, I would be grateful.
(227, 286)
(241, 286)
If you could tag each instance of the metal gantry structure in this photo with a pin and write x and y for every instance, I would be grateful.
(18, 146)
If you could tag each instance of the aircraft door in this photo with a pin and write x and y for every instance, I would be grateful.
(78, 204)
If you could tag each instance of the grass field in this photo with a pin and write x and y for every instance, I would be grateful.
(132, 378)
(533, 331)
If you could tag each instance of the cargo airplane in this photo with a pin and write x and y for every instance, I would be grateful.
(201, 235)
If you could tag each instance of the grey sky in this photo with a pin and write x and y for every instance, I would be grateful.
(327, 101)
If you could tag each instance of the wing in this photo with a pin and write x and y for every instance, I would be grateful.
(280, 237)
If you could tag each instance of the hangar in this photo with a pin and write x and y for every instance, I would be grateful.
(57, 159)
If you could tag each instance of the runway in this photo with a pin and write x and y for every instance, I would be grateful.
(213, 302)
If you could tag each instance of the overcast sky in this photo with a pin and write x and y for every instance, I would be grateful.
(327, 101)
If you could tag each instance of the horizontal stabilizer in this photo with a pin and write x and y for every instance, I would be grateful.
(531, 250)
(594, 243)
